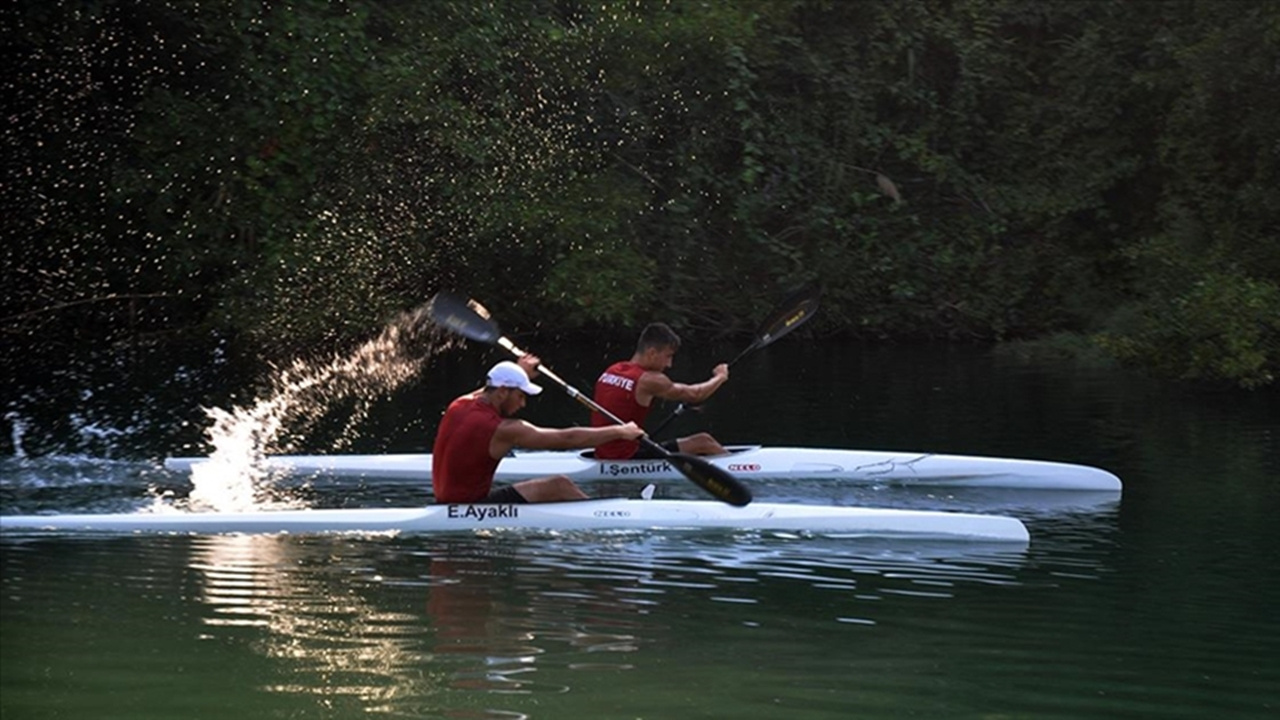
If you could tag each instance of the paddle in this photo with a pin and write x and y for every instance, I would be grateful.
(790, 314)
(470, 320)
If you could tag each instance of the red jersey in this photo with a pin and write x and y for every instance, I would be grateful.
(616, 392)
(461, 467)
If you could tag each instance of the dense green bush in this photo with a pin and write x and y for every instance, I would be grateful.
(291, 174)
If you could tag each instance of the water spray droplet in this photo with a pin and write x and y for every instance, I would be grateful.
(236, 476)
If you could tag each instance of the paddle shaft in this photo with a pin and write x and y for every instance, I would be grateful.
(469, 319)
(793, 312)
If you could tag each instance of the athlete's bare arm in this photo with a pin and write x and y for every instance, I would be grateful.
(658, 385)
(514, 433)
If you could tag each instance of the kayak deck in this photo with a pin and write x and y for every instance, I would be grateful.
(606, 514)
(872, 467)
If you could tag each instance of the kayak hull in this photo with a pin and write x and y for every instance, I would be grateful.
(873, 467)
(606, 514)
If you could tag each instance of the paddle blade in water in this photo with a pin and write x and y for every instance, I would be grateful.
(464, 317)
(711, 478)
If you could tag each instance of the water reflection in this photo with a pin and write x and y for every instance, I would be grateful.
(305, 597)
(467, 626)
(480, 634)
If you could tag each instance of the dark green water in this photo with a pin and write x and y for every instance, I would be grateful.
(1159, 605)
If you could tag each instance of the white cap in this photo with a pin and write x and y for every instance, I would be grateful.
(509, 374)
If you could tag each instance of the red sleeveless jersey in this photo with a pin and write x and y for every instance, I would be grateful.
(616, 392)
(461, 468)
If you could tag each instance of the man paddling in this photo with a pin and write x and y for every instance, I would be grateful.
(627, 389)
(478, 429)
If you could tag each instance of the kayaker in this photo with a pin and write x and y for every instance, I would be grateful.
(627, 389)
(478, 429)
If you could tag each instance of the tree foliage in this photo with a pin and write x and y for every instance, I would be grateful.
(290, 174)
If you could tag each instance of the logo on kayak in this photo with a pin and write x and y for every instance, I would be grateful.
(644, 468)
(612, 513)
(480, 513)
(744, 467)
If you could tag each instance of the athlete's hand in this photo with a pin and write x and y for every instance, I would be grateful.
(721, 370)
(530, 363)
(631, 431)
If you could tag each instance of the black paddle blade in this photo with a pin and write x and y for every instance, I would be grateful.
(715, 480)
(789, 315)
(465, 317)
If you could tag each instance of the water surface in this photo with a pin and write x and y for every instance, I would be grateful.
(1159, 603)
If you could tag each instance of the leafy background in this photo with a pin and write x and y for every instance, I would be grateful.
(287, 176)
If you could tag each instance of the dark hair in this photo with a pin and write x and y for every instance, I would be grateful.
(658, 335)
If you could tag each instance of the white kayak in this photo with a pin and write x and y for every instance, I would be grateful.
(606, 514)
(744, 462)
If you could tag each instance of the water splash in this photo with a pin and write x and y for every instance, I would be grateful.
(19, 425)
(235, 477)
